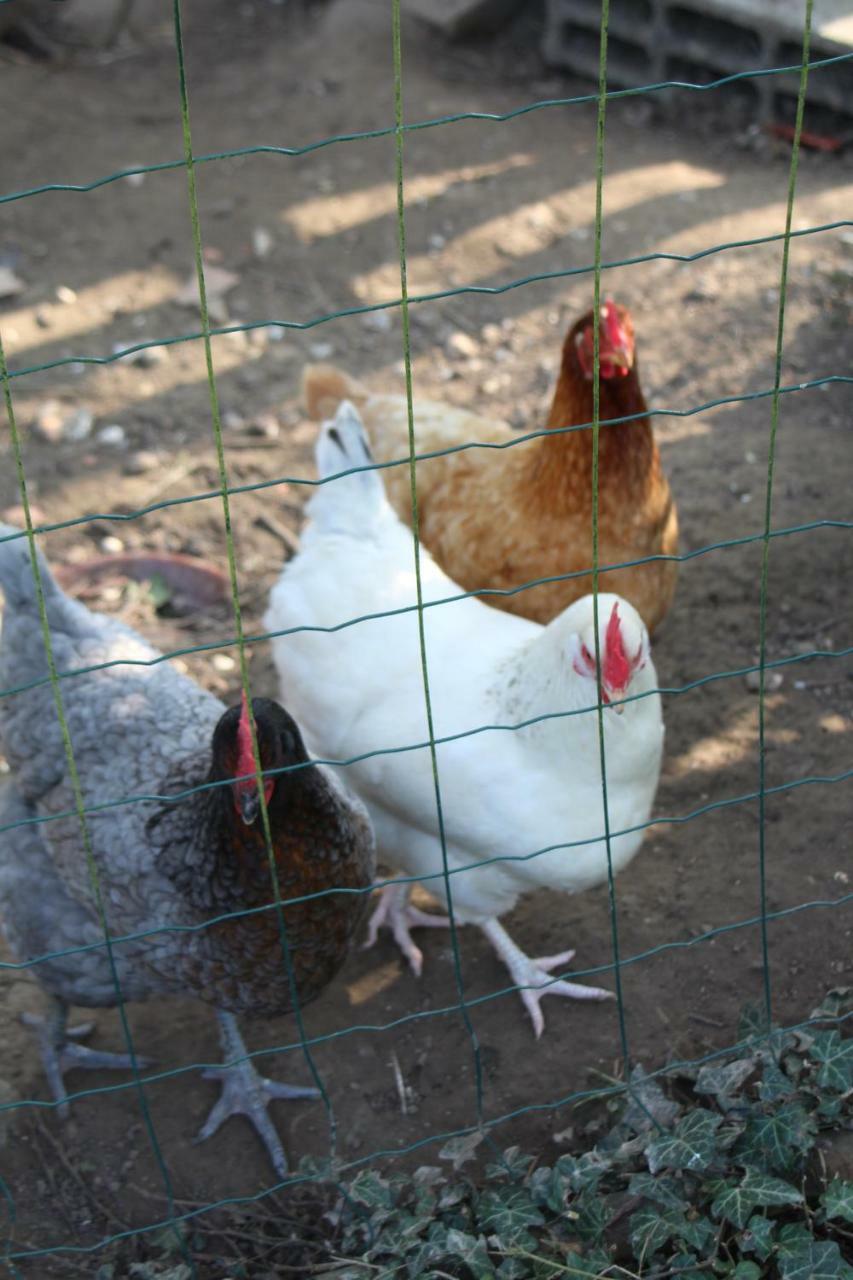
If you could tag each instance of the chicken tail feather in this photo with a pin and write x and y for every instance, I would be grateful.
(347, 504)
(324, 387)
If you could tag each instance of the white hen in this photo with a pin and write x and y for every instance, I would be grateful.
(505, 795)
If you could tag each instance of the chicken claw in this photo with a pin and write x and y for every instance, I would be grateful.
(246, 1092)
(533, 977)
(396, 912)
(59, 1053)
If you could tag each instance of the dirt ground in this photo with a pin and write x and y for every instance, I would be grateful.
(487, 204)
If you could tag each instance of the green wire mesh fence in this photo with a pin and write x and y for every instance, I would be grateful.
(240, 639)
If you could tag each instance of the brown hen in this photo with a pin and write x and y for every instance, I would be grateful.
(499, 518)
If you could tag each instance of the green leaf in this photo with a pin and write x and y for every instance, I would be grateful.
(665, 1191)
(746, 1270)
(836, 1058)
(809, 1259)
(549, 1189)
(736, 1201)
(759, 1237)
(472, 1251)
(651, 1229)
(514, 1166)
(508, 1212)
(692, 1146)
(512, 1269)
(159, 592)
(589, 1214)
(648, 1106)
(774, 1084)
(777, 1141)
(724, 1082)
(837, 1199)
(835, 1003)
(460, 1150)
(592, 1262)
(752, 1022)
(371, 1190)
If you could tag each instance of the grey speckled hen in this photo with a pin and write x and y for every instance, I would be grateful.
(148, 730)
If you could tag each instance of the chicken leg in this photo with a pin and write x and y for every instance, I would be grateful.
(396, 912)
(60, 1053)
(533, 977)
(246, 1092)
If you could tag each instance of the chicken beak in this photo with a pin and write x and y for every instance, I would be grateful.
(619, 357)
(250, 806)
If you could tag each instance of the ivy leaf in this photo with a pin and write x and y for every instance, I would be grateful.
(836, 1058)
(590, 1214)
(460, 1150)
(371, 1190)
(759, 1237)
(514, 1166)
(834, 1003)
(549, 1189)
(776, 1141)
(724, 1082)
(752, 1022)
(837, 1199)
(512, 1269)
(736, 1201)
(508, 1212)
(651, 1229)
(774, 1084)
(648, 1105)
(472, 1251)
(692, 1146)
(746, 1270)
(801, 1257)
(665, 1191)
(593, 1263)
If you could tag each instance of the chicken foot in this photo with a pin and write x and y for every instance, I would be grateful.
(396, 913)
(246, 1092)
(534, 976)
(60, 1053)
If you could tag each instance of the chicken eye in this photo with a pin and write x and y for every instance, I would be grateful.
(586, 655)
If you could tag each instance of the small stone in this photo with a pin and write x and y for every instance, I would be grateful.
(10, 284)
(492, 332)
(140, 462)
(223, 662)
(113, 435)
(134, 179)
(233, 421)
(47, 424)
(436, 241)
(321, 351)
(66, 295)
(772, 681)
(42, 317)
(265, 425)
(262, 242)
(78, 425)
(378, 320)
(461, 345)
(274, 332)
(111, 545)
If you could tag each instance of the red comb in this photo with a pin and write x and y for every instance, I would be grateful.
(617, 668)
(245, 757)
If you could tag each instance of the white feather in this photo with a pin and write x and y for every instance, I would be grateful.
(360, 690)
